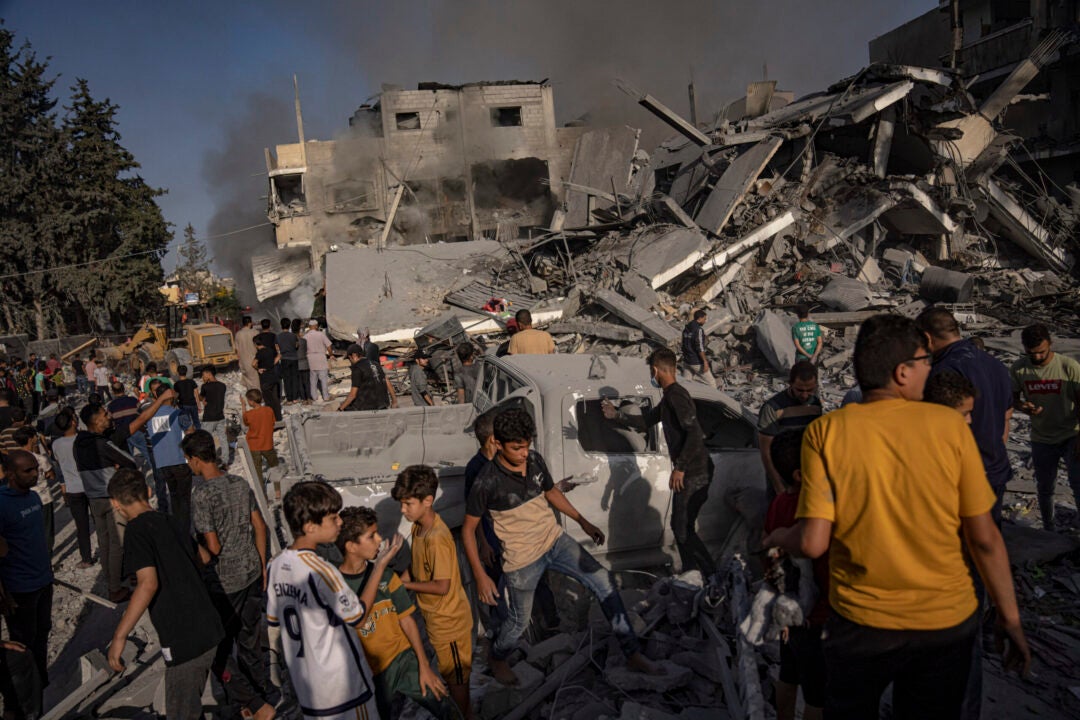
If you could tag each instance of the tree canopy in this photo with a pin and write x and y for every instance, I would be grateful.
(81, 234)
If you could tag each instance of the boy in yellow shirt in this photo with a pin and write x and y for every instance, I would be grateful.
(388, 632)
(435, 577)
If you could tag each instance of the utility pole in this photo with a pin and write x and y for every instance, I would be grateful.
(299, 120)
(957, 26)
(693, 99)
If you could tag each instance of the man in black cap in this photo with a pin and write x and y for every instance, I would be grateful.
(368, 390)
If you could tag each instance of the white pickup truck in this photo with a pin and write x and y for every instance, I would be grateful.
(620, 474)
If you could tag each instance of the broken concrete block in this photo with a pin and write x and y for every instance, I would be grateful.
(674, 677)
(637, 288)
(845, 294)
(870, 272)
(540, 653)
(773, 333)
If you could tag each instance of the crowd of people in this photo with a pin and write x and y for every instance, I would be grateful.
(896, 497)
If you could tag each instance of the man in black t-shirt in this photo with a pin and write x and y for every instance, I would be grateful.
(288, 346)
(266, 364)
(168, 581)
(186, 390)
(691, 466)
(212, 395)
(368, 389)
(269, 337)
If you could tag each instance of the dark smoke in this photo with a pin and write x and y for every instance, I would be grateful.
(236, 174)
(580, 46)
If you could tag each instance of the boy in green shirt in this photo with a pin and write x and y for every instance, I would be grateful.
(807, 335)
(388, 632)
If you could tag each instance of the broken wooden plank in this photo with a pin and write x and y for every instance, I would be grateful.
(734, 184)
(636, 316)
(666, 114)
(608, 331)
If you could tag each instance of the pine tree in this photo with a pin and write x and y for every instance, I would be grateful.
(193, 268)
(111, 224)
(31, 149)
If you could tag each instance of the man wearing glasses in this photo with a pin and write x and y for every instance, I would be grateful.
(1046, 386)
(893, 489)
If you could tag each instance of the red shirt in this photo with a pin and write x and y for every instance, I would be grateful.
(260, 424)
(781, 514)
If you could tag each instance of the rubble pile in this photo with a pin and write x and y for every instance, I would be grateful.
(582, 674)
(889, 191)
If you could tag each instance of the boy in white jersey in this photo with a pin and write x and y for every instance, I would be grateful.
(318, 613)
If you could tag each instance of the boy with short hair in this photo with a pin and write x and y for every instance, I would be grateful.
(318, 612)
(232, 547)
(388, 632)
(802, 661)
(952, 389)
(435, 576)
(158, 551)
(519, 492)
(259, 421)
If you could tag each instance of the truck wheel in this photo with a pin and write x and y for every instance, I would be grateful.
(139, 361)
(177, 357)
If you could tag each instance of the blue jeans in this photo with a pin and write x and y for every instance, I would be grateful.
(82, 384)
(566, 556)
(1045, 458)
(217, 429)
(137, 441)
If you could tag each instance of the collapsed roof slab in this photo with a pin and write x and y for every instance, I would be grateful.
(660, 257)
(636, 316)
(602, 159)
(734, 184)
(1023, 229)
(400, 286)
(731, 271)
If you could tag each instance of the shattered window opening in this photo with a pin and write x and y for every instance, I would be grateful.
(407, 120)
(289, 189)
(506, 116)
(597, 434)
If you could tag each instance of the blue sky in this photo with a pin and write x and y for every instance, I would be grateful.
(203, 86)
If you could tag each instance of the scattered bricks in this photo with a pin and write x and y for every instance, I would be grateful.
(673, 677)
(540, 653)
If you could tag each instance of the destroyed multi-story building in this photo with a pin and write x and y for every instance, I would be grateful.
(441, 162)
(988, 39)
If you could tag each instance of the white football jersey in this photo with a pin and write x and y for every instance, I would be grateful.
(318, 615)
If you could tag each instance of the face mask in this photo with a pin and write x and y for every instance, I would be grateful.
(653, 382)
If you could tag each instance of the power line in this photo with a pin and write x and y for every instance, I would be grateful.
(75, 265)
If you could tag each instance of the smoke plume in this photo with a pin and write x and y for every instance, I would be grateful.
(581, 47)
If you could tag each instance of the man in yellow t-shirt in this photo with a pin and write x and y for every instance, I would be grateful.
(890, 486)
(528, 340)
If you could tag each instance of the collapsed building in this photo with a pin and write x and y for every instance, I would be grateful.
(438, 163)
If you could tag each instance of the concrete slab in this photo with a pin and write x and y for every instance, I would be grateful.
(734, 184)
(399, 287)
(602, 157)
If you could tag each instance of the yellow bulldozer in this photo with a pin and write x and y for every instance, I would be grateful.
(186, 338)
